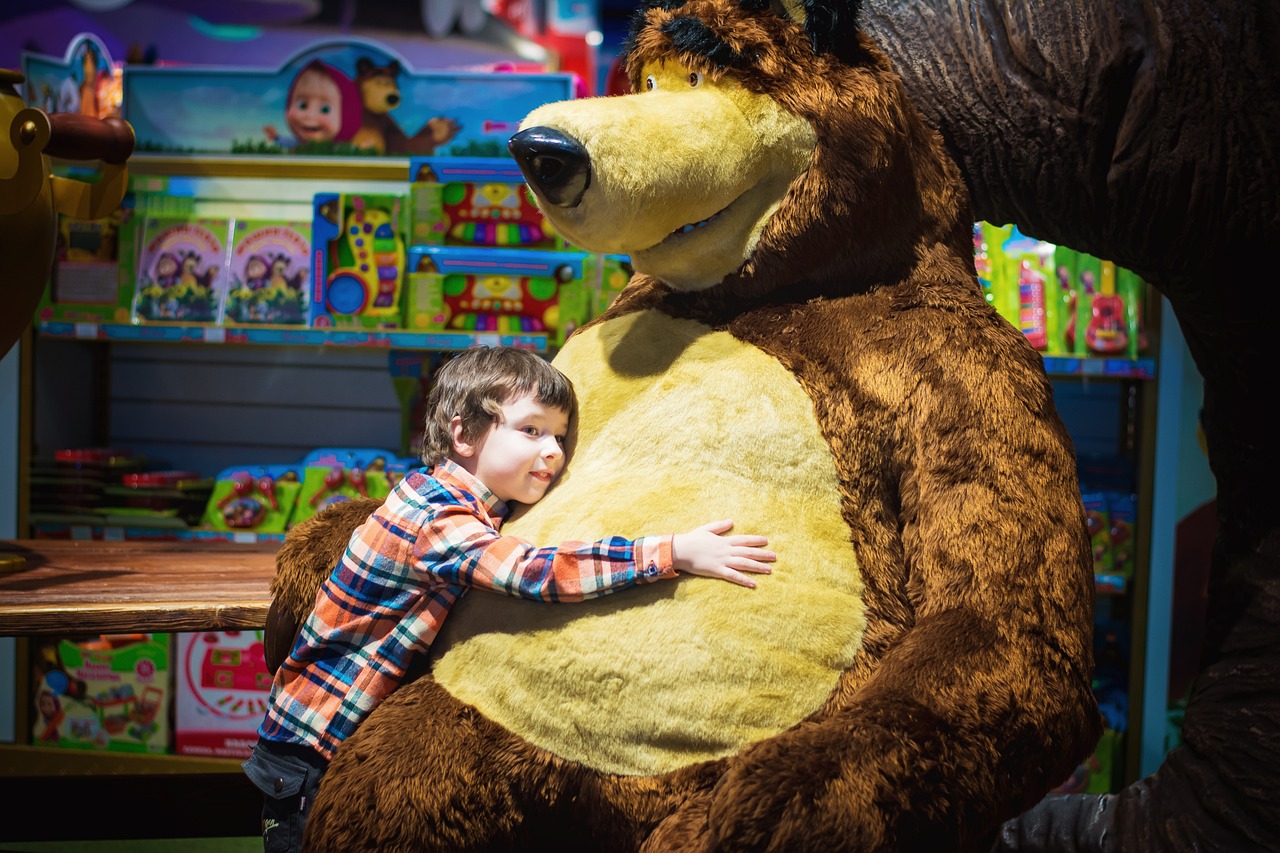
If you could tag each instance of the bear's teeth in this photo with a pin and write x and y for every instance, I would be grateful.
(685, 229)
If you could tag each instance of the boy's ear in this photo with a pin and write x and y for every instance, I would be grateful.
(461, 445)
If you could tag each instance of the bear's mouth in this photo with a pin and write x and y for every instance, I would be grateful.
(694, 226)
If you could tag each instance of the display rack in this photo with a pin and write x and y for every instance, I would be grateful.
(296, 336)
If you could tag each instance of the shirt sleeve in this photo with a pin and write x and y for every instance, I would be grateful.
(458, 548)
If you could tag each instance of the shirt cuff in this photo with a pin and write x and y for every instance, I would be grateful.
(653, 558)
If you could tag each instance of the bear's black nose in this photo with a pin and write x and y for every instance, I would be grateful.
(555, 165)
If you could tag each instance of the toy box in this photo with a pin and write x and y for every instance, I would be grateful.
(181, 270)
(614, 271)
(358, 258)
(498, 290)
(221, 688)
(268, 270)
(331, 475)
(256, 499)
(109, 693)
(480, 201)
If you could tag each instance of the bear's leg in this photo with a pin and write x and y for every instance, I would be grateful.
(426, 772)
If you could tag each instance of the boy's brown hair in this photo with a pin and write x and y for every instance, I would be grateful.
(475, 383)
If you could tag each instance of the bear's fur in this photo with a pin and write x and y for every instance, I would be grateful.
(804, 348)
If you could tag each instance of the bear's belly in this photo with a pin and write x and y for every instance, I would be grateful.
(678, 426)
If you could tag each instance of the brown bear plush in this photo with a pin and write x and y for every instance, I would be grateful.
(805, 349)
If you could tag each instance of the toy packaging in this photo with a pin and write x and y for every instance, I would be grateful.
(110, 693)
(331, 475)
(92, 279)
(181, 270)
(498, 290)
(614, 273)
(359, 261)
(220, 693)
(475, 202)
(257, 499)
(268, 273)
(1097, 515)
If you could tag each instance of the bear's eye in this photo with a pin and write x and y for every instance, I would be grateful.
(650, 83)
(695, 79)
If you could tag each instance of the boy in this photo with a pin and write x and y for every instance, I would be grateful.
(496, 425)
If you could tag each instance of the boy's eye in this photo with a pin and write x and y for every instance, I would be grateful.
(560, 440)
(530, 430)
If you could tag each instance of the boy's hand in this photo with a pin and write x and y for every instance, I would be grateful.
(705, 552)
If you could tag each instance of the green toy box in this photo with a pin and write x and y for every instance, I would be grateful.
(475, 202)
(108, 693)
(501, 291)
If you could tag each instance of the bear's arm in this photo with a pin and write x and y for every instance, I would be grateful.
(977, 700)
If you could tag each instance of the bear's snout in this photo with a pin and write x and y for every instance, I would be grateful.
(555, 165)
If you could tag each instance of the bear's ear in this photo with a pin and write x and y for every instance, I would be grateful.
(832, 25)
(394, 68)
(363, 65)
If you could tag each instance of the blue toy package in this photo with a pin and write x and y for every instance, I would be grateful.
(498, 290)
(358, 256)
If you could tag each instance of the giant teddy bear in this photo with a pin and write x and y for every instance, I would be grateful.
(804, 348)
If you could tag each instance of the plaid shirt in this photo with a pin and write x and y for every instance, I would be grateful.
(433, 538)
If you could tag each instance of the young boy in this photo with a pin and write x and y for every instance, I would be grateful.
(496, 425)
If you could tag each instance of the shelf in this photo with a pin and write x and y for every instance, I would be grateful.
(279, 166)
(278, 336)
(1104, 368)
(120, 533)
(26, 761)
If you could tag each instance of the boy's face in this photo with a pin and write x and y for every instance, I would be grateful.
(518, 458)
(314, 113)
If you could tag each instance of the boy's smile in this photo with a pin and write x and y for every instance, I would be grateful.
(519, 457)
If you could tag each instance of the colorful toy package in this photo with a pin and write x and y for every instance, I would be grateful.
(475, 202)
(181, 270)
(1122, 514)
(498, 290)
(268, 273)
(1026, 270)
(614, 273)
(359, 261)
(1097, 514)
(110, 693)
(257, 499)
(220, 693)
(335, 474)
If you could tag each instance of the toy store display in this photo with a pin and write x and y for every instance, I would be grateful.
(109, 693)
(499, 290)
(252, 499)
(333, 475)
(1064, 302)
(349, 97)
(475, 202)
(32, 196)
(73, 484)
(359, 258)
(221, 685)
(181, 271)
(268, 266)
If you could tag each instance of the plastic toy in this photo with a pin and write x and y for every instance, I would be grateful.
(1107, 332)
(496, 290)
(475, 202)
(31, 196)
(252, 499)
(360, 265)
(334, 475)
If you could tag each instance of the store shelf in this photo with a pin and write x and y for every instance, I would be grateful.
(355, 168)
(1107, 368)
(277, 336)
(120, 533)
(24, 761)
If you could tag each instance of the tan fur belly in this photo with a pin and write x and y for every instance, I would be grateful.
(679, 426)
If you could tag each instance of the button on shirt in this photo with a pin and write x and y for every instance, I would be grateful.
(433, 538)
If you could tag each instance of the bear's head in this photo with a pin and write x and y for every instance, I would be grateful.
(379, 89)
(798, 140)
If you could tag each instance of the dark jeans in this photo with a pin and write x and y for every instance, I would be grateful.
(288, 776)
